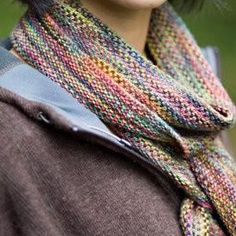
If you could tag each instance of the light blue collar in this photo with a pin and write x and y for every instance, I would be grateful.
(27, 82)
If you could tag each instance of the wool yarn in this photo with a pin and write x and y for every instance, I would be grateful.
(171, 107)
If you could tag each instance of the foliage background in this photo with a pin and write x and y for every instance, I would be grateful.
(212, 26)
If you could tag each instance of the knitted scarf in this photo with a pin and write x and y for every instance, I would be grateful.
(170, 107)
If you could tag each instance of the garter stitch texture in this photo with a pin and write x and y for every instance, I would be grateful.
(171, 109)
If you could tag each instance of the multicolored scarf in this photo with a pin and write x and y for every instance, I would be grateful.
(171, 109)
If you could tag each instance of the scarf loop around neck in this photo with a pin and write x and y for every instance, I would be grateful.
(170, 109)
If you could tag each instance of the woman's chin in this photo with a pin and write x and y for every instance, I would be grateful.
(139, 4)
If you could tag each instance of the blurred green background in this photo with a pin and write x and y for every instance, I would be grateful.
(212, 26)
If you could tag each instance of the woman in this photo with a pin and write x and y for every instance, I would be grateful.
(110, 118)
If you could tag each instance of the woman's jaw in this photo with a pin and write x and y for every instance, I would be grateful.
(134, 4)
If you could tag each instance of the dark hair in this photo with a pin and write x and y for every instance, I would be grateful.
(38, 5)
(188, 4)
(41, 5)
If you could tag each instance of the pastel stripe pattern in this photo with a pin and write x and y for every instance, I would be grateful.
(171, 107)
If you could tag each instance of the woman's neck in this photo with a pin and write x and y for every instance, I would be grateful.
(132, 25)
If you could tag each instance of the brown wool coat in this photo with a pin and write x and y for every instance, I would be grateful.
(54, 183)
(61, 179)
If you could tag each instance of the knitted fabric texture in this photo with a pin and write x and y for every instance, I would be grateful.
(171, 108)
